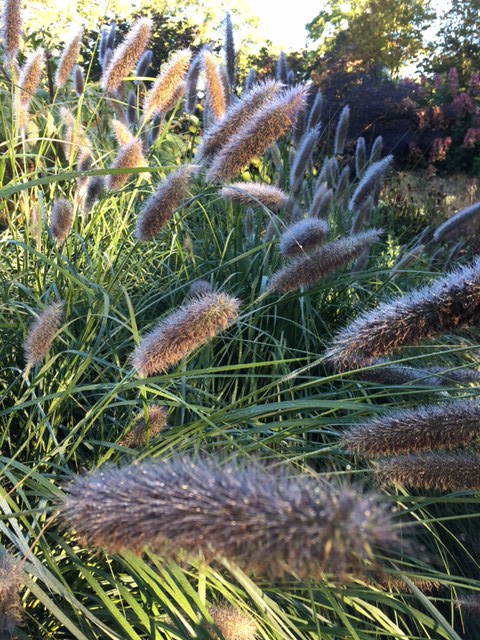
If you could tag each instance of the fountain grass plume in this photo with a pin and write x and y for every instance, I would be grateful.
(232, 624)
(137, 435)
(10, 603)
(237, 116)
(449, 304)
(122, 133)
(143, 64)
(307, 270)
(165, 88)
(69, 56)
(376, 150)
(302, 157)
(61, 219)
(263, 128)
(251, 79)
(41, 334)
(315, 112)
(264, 522)
(183, 331)
(281, 68)
(360, 157)
(75, 139)
(370, 182)
(456, 225)
(430, 470)
(230, 57)
(12, 27)
(303, 237)
(30, 74)
(191, 90)
(130, 156)
(126, 55)
(161, 206)
(253, 194)
(449, 425)
(341, 131)
(131, 109)
(78, 80)
(199, 288)
(95, 187)
(213, 85)
(322, 200)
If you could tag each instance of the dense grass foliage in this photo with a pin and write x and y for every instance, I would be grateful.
(139, 324)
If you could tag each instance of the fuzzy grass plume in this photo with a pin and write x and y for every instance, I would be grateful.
(30, 76)
(165, 88)
(213, 85)
(10, 603)
(449, 304)
(427, 376)
(302, 157)
(253, 194)
(237, 116)
(303, 236)
(61, 219)
(455, 226)
(265, 126)
(12, 27)
(229, 50)
(41, 334)
(445, 426)
(78, 80)
(431, 470)
(191, 82)
(161, 206)
(126, 55)
(183, 331)
(307, 270)
(137, 435)
(232, 623)
(341, 131)
(321, 203)
(69, 56)
(130, 156)
(264, 523)
(370, 181)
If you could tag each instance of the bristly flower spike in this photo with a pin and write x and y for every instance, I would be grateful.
(12, 27)
(252, 194)
(161, 206)
(183, 331)
(341, 131)
(456, 225)
(130, 156)
(191, 90)
(30, 76)
(157, 421)
(69, 57)
(451, 303)
(307, 270)
(10, 603)
(232, 623)
(360, 157)
(264, 522)
(302, 237)
(264, 128)
(41, 334)
(230, 57)
(302, 157)
(371, 180)
(214, 85)
(426, 428)
(143, 64)
(126, 55)
(78, 80)
(61, 219)
(159, 98)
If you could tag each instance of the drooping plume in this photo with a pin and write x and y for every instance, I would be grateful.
(252, 194)
(302, 237)
(262, 521)
(265, 127)
(449, 304)
(237, 116)
(41, 334)
(307, 270)
(455, 226)
(449, 425)
(165, 87)
(161, 206)
(126, 55)
(183, 331)
(69, 57)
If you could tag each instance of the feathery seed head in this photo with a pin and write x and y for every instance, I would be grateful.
(371, 180)
(315, 112)
(42, 332)
(143, 64)
(161, 206)
(69, 56)
(111, 35)
(237, 116)
(445, 426)
(232, 623)
(122, 134)
(136, 436)
(430, 470)
(265, 523)
(30, 76)
(449, 304)
(321, 202)
(343, 182)
(230, 57)
(376, 150)
(61, 219)
(360, 157)
(302, 157)
(95, 187)
(255, 195)
(102, 46)
(131, 110)
(456, 225)
(341, 131)
(165, 88)
(307, 270)
(10, 603)
(213, 85)
(12, 27)
(251, 79)
(78, 80)
(129, 156)
(281, 68)
(302, 237)
(199, 288)
(265, 127)
(191, 90)
(181, 332)
(126, 54)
